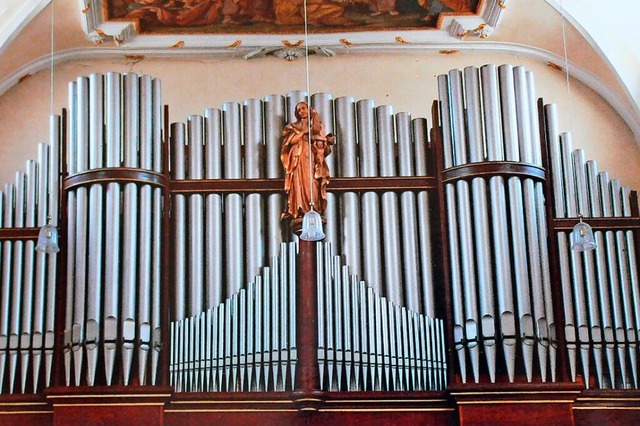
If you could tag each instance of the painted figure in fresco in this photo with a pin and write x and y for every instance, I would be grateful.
(435, 7)
(382, 7)
(184, 13)
(306, 172)
(319, 12)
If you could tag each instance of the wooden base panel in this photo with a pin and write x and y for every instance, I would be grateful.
(493, 405)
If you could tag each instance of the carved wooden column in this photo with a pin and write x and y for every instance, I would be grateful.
(307, 374)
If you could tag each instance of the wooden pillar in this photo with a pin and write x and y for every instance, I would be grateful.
(308, 375)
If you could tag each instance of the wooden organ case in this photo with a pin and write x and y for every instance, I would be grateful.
(445, 292)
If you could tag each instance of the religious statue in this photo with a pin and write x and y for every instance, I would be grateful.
(306, 170)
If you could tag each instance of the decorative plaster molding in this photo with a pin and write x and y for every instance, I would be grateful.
(452, 27)
(99, 31)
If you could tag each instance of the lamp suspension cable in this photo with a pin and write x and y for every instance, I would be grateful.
(312, 221)
(51, 56)
(566, 64)
(309, 125)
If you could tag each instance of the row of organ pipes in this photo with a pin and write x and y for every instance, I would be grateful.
(113, 231)
(247, 137)
(28, 286)
(600, 288)
(248, 342)
(500, 283)
(498, 241)
(376, 267)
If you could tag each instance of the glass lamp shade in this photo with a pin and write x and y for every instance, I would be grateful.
(312, 227)
(582, 237)
(48, 239)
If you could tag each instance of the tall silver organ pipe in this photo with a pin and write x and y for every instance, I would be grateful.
(345, 133)
(422, 159)
(324, 103)
(410, 252)
(195, 133)
(232, 141)
(113, 129)
(213, 221)
(274, 122)
(390, 223)
(96, 226)
(254, 168)
(370, 202)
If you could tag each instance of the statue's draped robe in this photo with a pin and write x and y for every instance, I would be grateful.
(300, 165)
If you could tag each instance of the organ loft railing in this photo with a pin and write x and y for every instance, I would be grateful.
(447, 258)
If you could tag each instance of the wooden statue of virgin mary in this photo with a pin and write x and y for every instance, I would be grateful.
(305, 166)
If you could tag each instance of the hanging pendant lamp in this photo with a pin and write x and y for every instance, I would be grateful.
(48, 238)
(312, 226)
(582, 237)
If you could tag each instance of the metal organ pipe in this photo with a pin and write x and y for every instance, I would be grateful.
(112, 285)
(254, 168)
(370, 204)
(629, 377)
(179, 209)
(390, 230)
(410, 251)
(40, 308)
(497, 193)
(27, 312)
(232, 141)
(213, 219)
(324, 103)
(547, 325)
(274, 122)
(419, 126)
(96, 230)
(195, 130)
(345, 133)
(156, 234)
(452, 227)
(633, 276)
(145, 262)
(480, 219)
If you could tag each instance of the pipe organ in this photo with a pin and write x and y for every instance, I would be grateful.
(448, 264)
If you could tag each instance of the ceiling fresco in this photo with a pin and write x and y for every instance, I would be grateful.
(283, 16)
